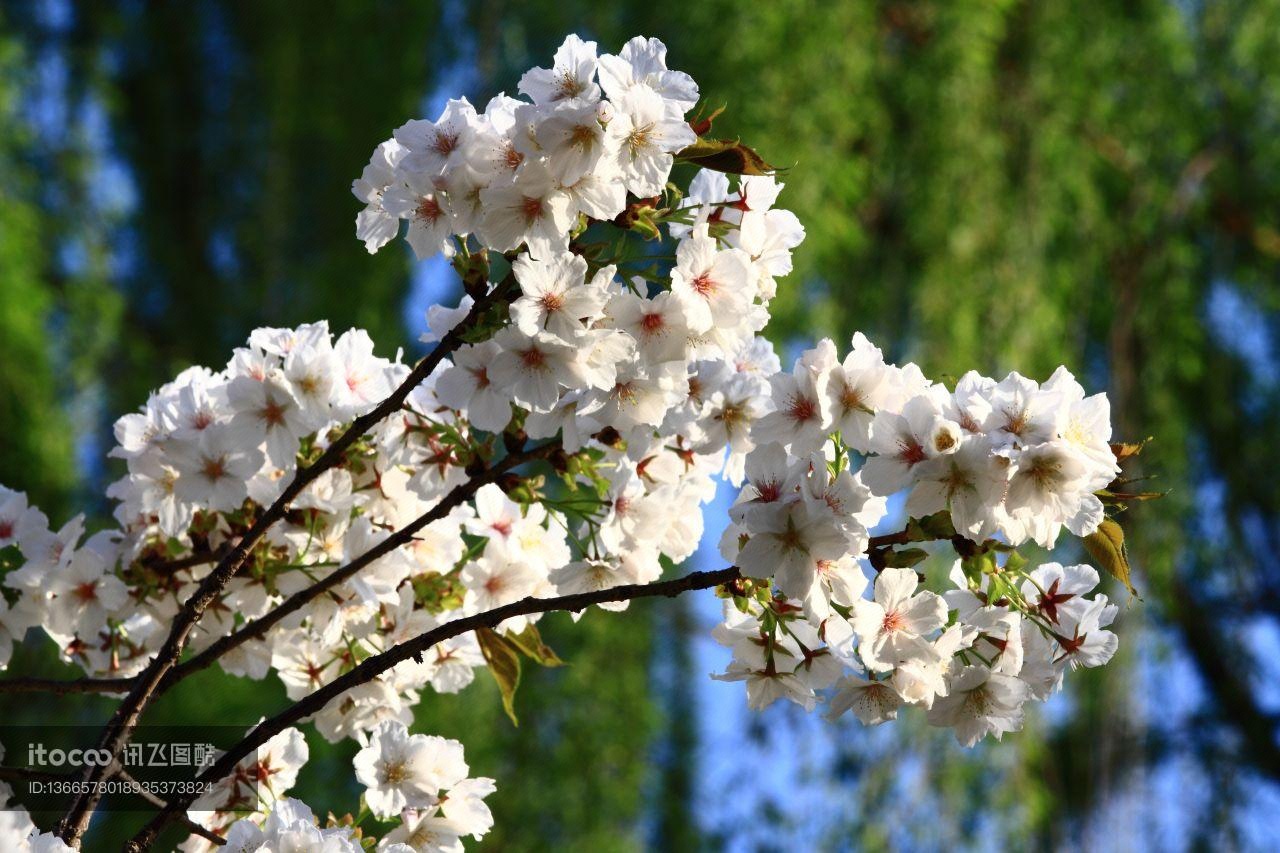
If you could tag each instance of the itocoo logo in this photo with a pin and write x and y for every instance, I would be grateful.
(39, 756)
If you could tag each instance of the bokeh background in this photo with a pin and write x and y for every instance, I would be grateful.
(986, 183)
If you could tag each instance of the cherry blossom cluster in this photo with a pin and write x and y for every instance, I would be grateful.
(987, 464)
(419, 784)
(594, 129)
(210, 450)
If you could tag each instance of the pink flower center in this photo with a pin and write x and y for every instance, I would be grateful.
(704, 284)
(802, 409)
(910, 452)
(445, 142)
(532, 209)
(568, 86)
(428, 209)
(215, 469)
(273, 413)
(1016, 422)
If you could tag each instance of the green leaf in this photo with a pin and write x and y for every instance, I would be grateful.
(530, 642)
(725, 155)
(1014, 562)
(904, 559)
(931, 527)
(504, 663)
(982, 563)
(1106, 545)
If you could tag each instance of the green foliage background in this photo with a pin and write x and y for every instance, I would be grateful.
(989, 184)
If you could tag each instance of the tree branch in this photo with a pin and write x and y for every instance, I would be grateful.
(64, 686)
(374, 666)
(117, 732)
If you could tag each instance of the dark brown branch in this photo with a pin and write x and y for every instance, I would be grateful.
(63, 686)
(117, 732)
(887, 539)
(374, 666)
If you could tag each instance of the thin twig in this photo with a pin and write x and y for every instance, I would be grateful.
(902, 537)
(374, 666)
(117, 732)
(159, 802)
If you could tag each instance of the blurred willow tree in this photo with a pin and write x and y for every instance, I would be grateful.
(29, 407)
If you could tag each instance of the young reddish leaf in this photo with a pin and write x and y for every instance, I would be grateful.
(702, 124)
(725, 155)
(1126, 451)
